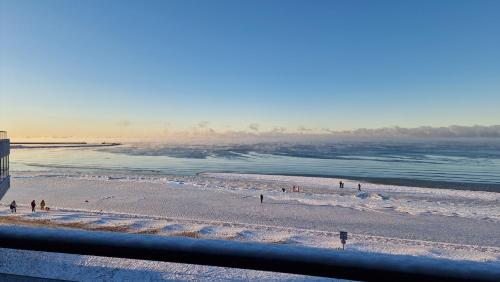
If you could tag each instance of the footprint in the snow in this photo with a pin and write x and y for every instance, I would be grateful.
(172, 227)
(207, 230)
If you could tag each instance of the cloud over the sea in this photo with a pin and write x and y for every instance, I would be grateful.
(202, 132)
(456, 131)
(124, 123)
(255, 134)
(254, 127)
(453, 131)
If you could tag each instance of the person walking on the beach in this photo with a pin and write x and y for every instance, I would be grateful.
(261, 198)
(13, 207)
(359, 186)
(340, 184)
(42, 205)
(33, 206)
(283, 189)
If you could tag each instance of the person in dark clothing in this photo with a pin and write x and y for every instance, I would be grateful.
(283, 189)
(42, 205)
(359, 186)
(261, 198)
(340, 184)
(33, 206)
(13, 207)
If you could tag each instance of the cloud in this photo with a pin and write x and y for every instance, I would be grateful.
(453, 131)
(202, 133)
(166, 127)
(278, 129)
(203, 124)
(304, 129)
(254, 127)
(124, 123)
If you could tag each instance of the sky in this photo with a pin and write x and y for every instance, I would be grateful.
(179, 69)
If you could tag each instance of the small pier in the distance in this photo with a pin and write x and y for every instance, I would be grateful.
(25, 145)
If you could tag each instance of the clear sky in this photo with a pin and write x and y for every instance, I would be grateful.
(168, 68)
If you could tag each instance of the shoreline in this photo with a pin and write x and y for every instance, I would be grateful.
(184, 209)
(404, 182)
(234, 198)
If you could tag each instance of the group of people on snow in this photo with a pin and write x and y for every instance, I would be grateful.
(296, 188)
(341, 185)
(43, 207)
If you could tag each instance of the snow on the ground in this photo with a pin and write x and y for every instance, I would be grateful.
(92, 268)
(412, 200)
(322, 191)
(437, 223)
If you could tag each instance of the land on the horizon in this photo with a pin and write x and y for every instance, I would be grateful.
(52, 145)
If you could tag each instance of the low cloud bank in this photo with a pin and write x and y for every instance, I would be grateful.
(311, 134)
(202, 133)
(455, 131)
(254, 134)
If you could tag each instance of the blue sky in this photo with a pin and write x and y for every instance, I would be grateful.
(152, 68)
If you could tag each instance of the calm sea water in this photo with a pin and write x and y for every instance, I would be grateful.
(444, 163)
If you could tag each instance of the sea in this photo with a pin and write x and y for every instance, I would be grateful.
(472, 164)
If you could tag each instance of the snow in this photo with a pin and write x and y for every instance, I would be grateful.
(412, 200)
(436, 223)
(91, 268)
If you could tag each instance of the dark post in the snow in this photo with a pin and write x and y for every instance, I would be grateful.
(343, 238)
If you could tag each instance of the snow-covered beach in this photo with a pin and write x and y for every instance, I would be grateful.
(439, 223)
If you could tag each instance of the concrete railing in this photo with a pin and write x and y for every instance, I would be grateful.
(256, 256)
